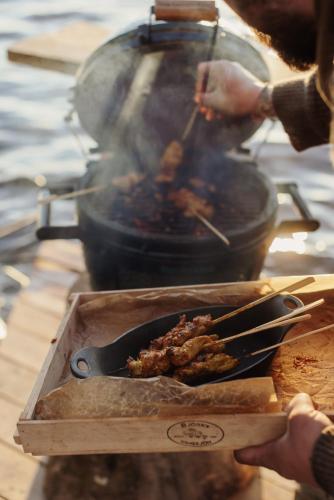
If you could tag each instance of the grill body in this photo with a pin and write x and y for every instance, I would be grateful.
(111, 267)
(121, 256)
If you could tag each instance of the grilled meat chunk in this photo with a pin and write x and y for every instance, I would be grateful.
(183, 331)
(152, 363)
(189, 202)
(180, 356)
(214, 347)
(126, 183)
(149, 364)
(217, 364)
(170, 161)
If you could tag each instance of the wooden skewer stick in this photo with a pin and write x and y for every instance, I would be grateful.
(267, 326)
(212, 228)
(291, 288)
(69, 196)
(190, 124)
(297, 311)
(291, 341)
(277, 322)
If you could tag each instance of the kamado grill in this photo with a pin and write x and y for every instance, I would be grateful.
(134, 96)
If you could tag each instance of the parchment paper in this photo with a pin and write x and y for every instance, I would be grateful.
(120, 397)
(307, 366)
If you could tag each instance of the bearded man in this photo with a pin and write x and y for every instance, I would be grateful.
(302, 32)
(292, 28)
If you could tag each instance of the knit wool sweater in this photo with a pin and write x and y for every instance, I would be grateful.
(303, 113)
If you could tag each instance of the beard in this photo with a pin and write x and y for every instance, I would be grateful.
(293, 37)
(292, 34)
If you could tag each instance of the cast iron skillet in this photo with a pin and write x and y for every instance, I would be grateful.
(105, 360)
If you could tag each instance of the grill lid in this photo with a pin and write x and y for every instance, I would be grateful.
(136, 91)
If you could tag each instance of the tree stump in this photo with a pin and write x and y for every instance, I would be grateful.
(170, 476)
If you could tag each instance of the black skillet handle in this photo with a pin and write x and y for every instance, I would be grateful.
(306, 223)
(86, 363)
(47, 232)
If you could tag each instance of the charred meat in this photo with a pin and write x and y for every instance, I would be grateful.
(170, 161)
(186, 352)
(125, 183)
(212, 365)
(183, 331)
(180, 356)
(190, 203)
(151, 363)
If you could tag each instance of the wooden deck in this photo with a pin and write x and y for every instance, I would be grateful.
(32, 325)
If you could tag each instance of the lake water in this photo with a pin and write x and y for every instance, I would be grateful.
(35, 141)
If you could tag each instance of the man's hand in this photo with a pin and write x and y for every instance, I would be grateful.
(231, 90)
(290, 455)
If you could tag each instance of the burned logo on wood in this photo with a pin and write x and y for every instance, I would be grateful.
(198, 434)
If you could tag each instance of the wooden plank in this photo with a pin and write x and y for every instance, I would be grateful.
(17, 475)
(148, 434)
(9, 414)
(68, 256)
(16, 382)
(67, 49)
(44, 301)
(63, 51)
(33, 322)
(25, 349)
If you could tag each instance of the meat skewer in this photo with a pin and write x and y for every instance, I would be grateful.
(152, 362)
(173, 154)
(180, 356)
(170, 161)
(182, 332)
(186, 343)
(194, 206)
(221, 363)
(212, 228)
(190, 203)
(290, 288)
(185, 330)
(213, 365)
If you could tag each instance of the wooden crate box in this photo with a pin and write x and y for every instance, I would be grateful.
(151, 434)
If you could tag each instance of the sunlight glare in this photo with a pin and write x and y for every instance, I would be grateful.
(295, 244)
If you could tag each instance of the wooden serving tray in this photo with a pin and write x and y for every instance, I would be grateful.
(148, 434)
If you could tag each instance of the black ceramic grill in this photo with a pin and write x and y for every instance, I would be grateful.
(134, 95)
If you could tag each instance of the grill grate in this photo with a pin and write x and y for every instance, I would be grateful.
(236, 191)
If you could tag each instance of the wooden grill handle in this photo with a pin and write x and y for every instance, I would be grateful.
(185, 10)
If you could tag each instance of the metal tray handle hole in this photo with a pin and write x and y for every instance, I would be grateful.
(290, 304)
(82, 365)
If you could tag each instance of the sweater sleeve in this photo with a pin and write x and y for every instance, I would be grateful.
(323, 460)
(303, 113)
